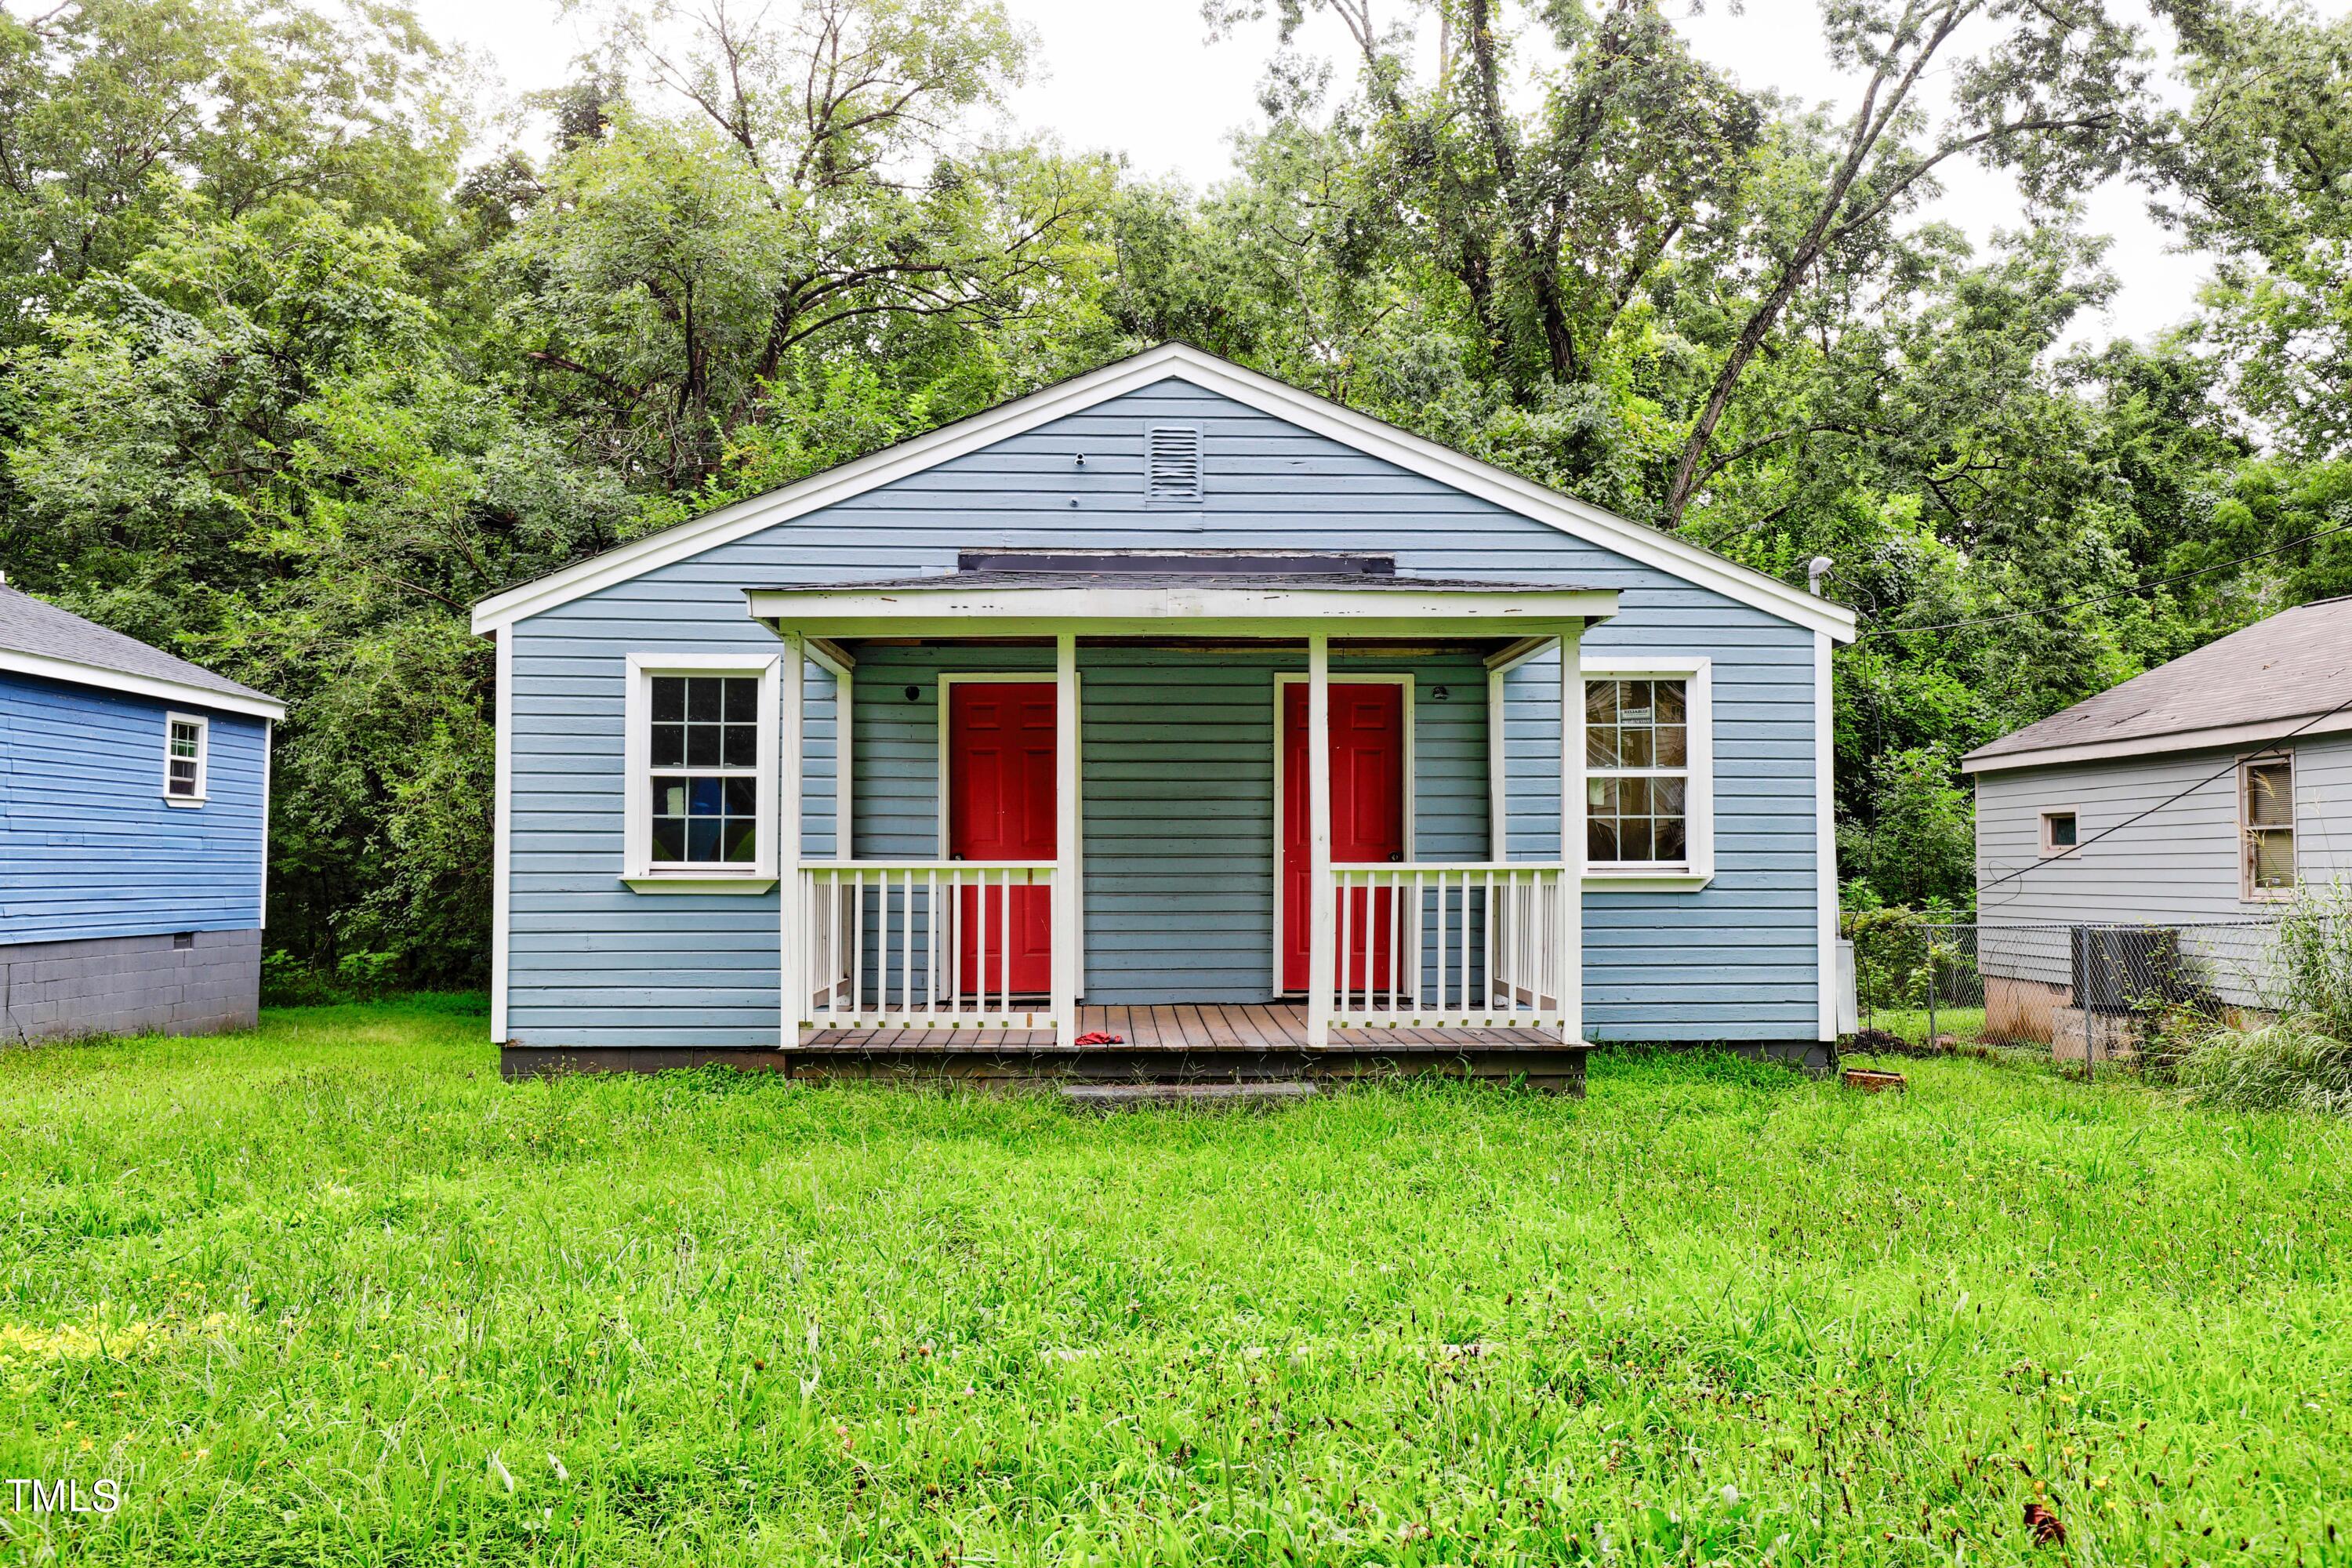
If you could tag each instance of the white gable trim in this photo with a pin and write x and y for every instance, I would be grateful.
(53, 668)
(1323, 417)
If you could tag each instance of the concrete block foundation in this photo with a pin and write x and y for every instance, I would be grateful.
(187, 983)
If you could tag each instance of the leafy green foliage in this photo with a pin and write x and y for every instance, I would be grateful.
(287, 388)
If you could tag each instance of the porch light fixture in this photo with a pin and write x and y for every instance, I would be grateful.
(1437, 694)
(913, 694)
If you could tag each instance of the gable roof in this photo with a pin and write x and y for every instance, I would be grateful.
(38, 639)
(2291, 674)
(1318, 414)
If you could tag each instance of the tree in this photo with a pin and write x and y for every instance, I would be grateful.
(824, 182)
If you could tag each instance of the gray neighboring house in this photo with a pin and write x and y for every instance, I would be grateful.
(2239, 756)
(134, 808)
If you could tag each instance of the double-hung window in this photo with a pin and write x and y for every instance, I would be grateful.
(187, 739)
(702, 771)
(2266, 827)
(1648, 772)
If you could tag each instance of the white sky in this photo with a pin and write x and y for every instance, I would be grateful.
(1136, 75)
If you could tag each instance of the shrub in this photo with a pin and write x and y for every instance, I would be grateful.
(2287, 1065)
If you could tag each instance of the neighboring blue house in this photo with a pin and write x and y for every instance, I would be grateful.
(1272, 688)
(134, 801)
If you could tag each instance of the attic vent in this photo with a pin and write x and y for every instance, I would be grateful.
(1171, 464)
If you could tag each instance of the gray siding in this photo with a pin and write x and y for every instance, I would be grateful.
(1178, 747)
(2176, 865)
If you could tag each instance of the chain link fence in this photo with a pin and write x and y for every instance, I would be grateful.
(2084, 993)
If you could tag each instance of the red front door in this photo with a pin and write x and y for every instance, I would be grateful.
(1001, 807)
(1367, 820)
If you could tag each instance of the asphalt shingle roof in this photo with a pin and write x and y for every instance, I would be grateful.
(2296, 666)
(36, 626)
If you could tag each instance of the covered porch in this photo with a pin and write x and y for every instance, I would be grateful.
(1394, 949)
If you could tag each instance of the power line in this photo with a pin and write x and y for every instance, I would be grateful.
(1878, 629)
(2169, 800)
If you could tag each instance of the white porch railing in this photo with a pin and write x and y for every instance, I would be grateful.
(921, 944)
(1474, 945)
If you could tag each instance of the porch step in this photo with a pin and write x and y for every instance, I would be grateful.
(1120, 1096)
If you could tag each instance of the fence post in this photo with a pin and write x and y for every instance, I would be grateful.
(1930, 1041)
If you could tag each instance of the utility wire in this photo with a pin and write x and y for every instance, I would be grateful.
(2169, 800)
(1877, 629)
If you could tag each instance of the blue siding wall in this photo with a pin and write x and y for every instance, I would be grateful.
(1178, 856)
(87, 848)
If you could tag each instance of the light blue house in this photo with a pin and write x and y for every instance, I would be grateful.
(1173, 705)
(134, 803)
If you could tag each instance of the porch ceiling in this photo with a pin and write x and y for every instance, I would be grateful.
(1194, 603)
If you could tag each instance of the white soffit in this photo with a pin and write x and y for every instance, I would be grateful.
(1321, 416)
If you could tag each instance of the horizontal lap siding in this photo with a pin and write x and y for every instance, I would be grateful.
(1197, 850)
(1178, 752)
(1735, 960)
(89, 848)
(2177, 864)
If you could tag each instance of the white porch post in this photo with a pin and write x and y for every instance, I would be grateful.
(1321, 908)
(792, 931)
(1068, 823)
(1567, 937)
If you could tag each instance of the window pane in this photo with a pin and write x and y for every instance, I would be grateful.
(1633, 839)
(1633, 747)
(1601, 840)
(705, 797)
(1666, 797)
(670, 797)
(669, 745)
(702, 837)
(742, 839)
(1670, 702)
(1633, 703)
(2062, 830)
(742, 746)
(2270, 794)
(669, 698)
(742, 700)
(1601, 747)
(1600, 702)
(2274, 858)
(669, 838)
(743, 797)
(1669, 751)
(1601, 796)
(1634, 797)
(702, 700)
(702, 746)
(1670, 844)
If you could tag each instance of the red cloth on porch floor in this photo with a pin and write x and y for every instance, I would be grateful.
(1097, 1037)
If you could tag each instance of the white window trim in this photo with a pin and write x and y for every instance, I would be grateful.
(1283, 681)
(2050, 850)
(2247, 892)
(1697, 868)
(637, 869)
(204, 759)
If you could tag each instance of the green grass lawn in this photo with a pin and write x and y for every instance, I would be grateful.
(334, 1293)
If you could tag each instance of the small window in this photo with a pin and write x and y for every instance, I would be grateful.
(706, 770)
(2266, 827)
(1637, 771)
(1171, 462)
(187, 739)
(2061, 833)
(701, 750)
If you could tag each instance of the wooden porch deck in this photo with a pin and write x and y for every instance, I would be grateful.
(1199, 1026)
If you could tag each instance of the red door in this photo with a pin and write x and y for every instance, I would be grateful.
(1001, 807)
(1367, 820)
